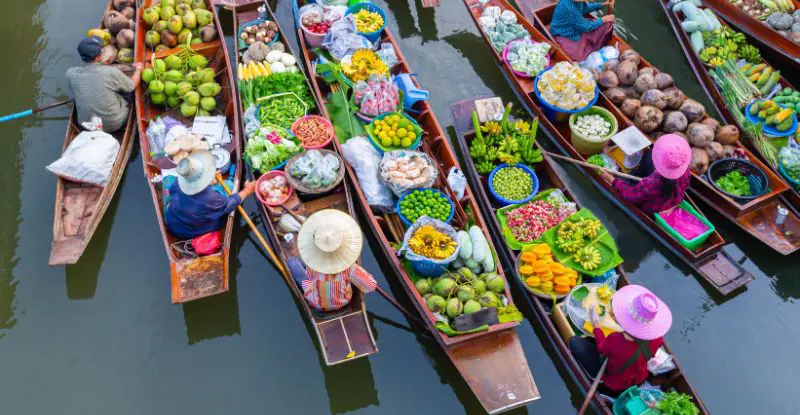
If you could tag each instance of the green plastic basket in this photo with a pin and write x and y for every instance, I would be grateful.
(629, 403)
(697, 241)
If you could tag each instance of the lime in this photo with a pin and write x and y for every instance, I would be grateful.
(402, 132)
(386, 142)
(405, 142)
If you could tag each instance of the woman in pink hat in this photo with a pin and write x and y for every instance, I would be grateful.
(667, 176)
(644, 319)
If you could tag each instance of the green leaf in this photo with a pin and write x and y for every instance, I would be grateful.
(345, 124)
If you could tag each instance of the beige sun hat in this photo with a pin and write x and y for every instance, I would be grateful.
(330, 241)
(196, 172)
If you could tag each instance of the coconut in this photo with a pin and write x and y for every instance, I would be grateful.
(714, 124)
(423, 286)
(655, 98)
(631, 55)
(208, 33)
(715, 151)
(693, 110)
(193, 98)
(700, 135)
(151, 15)
(199, 4)
(611, 65)
(204, 17)
(170, 89)
(148, 75)
(207, 89)
(173, 102)
(630, 106)
(479, 286)
(183, 88)
(489, 299)
(198, 62)
(727, 135)
(496, 283)
(675, 98)
(675, 122)
(158, 99)
(108, 54)
(173, 62)
(183, 36)
(128, 12)
(648, 118)
(436, 304)
(615, 95)
(608, 79)
(647, 71)
(115, 21)
(182, 9)
(155, 87)
(664, 80)
(699, 160)
(125, 55)
(175, 24)
(645, 82)
(126, 38)
(445, 286)
(465, 292)
(167, 12)
(208, 103)
(189, 20)
(159, 66)
(627, 72)
(471, 306)
(453, 308)
(160, 26)
(207, 75)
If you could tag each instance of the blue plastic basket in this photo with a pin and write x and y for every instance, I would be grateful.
(770, 129)
(792, 182)
(557, 114)
(506, 202)
(403, 196)
(374, 36)
(293, 137)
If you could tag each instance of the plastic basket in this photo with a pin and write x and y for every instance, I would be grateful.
(268, 176)
(517, 73)
(375, 141)
(291, 136)
(792, 182)
(689, 244)
(244, 46)
(584, 145)
(770, 129)
(372, 36)
(630, 403)
(506, 202)
(557, 114)
(407, 222)
(424, 266)
(758, 180)
(329, 129)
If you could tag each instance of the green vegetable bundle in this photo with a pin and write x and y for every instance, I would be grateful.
(735, 183)
(503, 141)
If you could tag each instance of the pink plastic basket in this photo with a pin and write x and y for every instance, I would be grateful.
(329, 129)
(521, 74)
(267, 176)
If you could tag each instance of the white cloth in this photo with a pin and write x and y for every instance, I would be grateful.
(89, 158)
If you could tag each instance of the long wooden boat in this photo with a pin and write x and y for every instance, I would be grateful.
(343, 335)
(192, 277)
(80, 207)
(756, 217)
(708, 261)
(760, 31)
(549, 178)
(491, 362)
(701, 72)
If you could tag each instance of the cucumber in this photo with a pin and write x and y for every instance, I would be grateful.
(787, 91)
(466, 245)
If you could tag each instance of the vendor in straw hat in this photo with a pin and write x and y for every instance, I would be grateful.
(644, 319)
(329, 243)
(194, 207)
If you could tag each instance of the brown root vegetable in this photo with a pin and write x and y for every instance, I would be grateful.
(675, 98)
(675, 122)
(627, 72)
(644, 83)
(108, 54)
(727, 135)
(655, 98)
(615, 95)
(699, 134)
(681, 135)
(693, 110)
(630, 106)
(208, 32)
(647, 71)
(648, 118)
(714, 124)
(169, 39)
(715, 151)
(611, 65)
(664, 80)
(125, 38)
(699, 160)
(631, 55)
(608, 79)
(115, 21)
(631, 92)
(124, 4)
(131, 24)
(128, 12)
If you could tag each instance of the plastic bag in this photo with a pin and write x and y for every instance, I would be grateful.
(207, 244)
(661, 363)
(334, 2)
(789, 158)
(609, 53)
(156, 131)
(492, 12)
(365, 160)
(508, 17)
(387, 54)
(376, 96)
(457, 182)
(439, 226)
(89, 158)
(251, 122)
(343, 39)
(312, 10)
(403, 170)
(593, 62)
(528, 56)
(315, 169)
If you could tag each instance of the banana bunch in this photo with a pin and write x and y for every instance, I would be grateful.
(569, 245)
(750, 53)
(588, 257)
(508, 145)
(590, 227)
(492, 128)
(484, 167)
(477, 148)
(253, 70)
(605, 293)
(430, 243)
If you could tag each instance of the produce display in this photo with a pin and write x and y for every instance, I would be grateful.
(462, 292)
(676, 403)
(696, 21)
(587, 297)
(367, 21)
(312, 131)
(263, 86)
(567, 86)
(174, 22)
(771, 114)
(764, 10)
(425, 203)
(735, 183)
(362, 64)
(117, 30)
(543, 274)
(315, 169)
(376, 96)
(574, 236)
(264, 32)
(183, 80)
(269, 147)
(394, 130)
(529, 221)
(512, 183)
(501, 27)
(592, 126)
(724, 44)
(475, 253)
(790, 161)
(430, 243)
(786, 24)
(274, 190)
(788, 98)
(527, 56)
(503, 142)
(272, 57)
(602, 160)
(762, 76)
(405, 170)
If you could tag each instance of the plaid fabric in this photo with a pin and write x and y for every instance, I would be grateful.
(329, 292)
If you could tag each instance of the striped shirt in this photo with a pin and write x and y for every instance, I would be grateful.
(568, 20)
(329, 292)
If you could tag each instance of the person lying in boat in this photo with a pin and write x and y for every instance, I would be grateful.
(100, 89)
(193, 206)
(578, 35)
(666, 176)
(644, 319)
(329, 244)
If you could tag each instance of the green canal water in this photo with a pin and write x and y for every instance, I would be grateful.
(102, 337)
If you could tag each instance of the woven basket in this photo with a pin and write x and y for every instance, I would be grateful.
(295, 182)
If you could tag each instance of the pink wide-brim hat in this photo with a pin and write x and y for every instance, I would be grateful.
(640, 313)
(671, 156)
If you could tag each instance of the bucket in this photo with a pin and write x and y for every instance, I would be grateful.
(557, 114)
(411, 94)
(267, 176)
(375, 36)
(584, 145)
(505, 202)
(688, 244)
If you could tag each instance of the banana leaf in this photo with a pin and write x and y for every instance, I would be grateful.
(511, 241)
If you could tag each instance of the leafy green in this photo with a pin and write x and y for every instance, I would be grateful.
(345, 124)
(270, 147)
(675, 403)
(735, 183)
(283, 82)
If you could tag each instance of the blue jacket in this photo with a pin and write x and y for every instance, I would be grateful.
(195, 215)
(568, 20)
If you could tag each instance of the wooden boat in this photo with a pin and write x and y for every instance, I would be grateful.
(755, 217)
(80, 207)
(764, 35)
(344, 331)
(701, 72)
(192, 277)
(548, 179)
(491, 362)
(708, 261)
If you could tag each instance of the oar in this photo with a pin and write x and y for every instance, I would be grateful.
(585, 164)
(255, 230)
(35, 110)
(593, 389)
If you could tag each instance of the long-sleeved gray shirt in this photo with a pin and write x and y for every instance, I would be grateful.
(97, 90)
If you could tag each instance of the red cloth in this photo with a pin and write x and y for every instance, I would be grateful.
(647, 193)
(618, 349)
(588, 43)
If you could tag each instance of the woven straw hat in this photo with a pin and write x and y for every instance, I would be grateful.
(330, 241)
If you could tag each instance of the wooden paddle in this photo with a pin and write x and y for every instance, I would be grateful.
(34, 110)
(585, 164)
(594, 387)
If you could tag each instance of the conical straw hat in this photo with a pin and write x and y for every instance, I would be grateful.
(330, 241)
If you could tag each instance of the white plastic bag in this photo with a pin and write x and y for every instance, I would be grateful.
(342, 39)
(457, 182)
(365, 160)
(403, 170)
(89, 158)
(661, 363)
